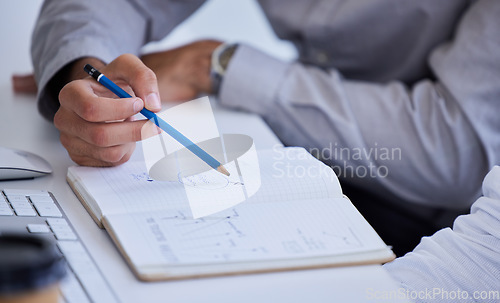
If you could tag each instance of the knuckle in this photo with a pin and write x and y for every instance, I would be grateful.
(129, 149)
(99, 136)
(112, 154)
(65, 92)
(70, 91)
(125, 57)
(126, 157)
(125, 60)
(65, 140)
(88, 111)
(76, 97)
(77, 159)
(145, 75)
(58, 119)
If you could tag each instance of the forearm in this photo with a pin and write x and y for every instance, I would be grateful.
(414, 142)
(69, 30)
(72, 71)
(72, 29)
(465, 258)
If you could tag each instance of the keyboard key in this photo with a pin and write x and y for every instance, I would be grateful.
(64, 235)
(61, 229)
(71, 289)
(37, 199)
(17, 199)
(25, 212)
(25, 192)
(84, 282)
(47, 209)
(21, 204)
(38, 228)
(5, 211)
(87, 272)
(55, 222)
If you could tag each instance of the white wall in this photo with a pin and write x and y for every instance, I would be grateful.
(16, 25)
(228, 20)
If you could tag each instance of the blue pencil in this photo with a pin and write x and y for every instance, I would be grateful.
(195, 149)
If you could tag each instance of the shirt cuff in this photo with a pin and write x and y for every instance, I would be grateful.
(252, 80)
(47, 101)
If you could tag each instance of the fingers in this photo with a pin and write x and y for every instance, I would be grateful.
(96, 127)
(101, 144)
(25, 84)
(103, 134)
(80, 97)
(85, 154)
(184, 72)
(142, 79)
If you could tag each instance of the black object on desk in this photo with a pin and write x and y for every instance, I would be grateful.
(28, 265)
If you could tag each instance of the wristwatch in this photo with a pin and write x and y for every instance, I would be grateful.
(220, 61)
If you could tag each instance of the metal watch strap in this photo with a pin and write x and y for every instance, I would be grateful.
(221, 57)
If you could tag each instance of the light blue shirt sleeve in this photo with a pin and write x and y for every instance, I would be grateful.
(462, 261)
(431, 143)
(71, 29)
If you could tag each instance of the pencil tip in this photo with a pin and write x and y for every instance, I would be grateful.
(222, 170)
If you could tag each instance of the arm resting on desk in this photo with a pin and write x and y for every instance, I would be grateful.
(466, 258)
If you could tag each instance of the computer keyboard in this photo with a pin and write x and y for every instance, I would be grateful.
(38, 212)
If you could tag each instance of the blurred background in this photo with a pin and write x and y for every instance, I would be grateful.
(226, 20)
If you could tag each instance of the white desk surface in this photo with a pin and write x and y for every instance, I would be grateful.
(23, 128)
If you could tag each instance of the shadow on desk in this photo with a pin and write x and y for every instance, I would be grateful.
(399, 227)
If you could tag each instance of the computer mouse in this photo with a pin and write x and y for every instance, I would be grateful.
(18, 164)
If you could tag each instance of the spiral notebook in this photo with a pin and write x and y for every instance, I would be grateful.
(297, 219)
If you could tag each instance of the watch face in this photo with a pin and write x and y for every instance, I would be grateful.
(226, 56)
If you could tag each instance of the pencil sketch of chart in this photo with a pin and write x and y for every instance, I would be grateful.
(348, 238)
(217, 238)
(254, 232)
(211, 180)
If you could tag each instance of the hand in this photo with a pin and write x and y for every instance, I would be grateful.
(96, 126)
(183, 73)
(24, 84)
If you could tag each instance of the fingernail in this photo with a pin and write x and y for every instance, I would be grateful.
(153, 101)
(138, 105)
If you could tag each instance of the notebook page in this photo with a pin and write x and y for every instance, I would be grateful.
(285, 176)
(292, 173)
(127, 188)
(246, 233)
